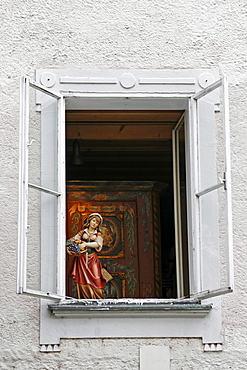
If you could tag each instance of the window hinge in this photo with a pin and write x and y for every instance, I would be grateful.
(224, 181)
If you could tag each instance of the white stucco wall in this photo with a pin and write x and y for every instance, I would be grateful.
(104, 34)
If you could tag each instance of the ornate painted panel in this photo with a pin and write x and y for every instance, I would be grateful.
(131, 248)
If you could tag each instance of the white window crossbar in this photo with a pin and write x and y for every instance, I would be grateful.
(53, 192)
(208, 89)
(41, 294)
(211, 293)
(211, 188)
(44, 90)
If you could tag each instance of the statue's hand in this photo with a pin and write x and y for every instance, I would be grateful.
(82, 246)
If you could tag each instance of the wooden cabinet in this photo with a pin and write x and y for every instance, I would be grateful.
(131, 232)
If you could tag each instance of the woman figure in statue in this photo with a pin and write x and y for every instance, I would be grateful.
(86, 269)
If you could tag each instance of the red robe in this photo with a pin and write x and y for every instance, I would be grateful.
(86, 270)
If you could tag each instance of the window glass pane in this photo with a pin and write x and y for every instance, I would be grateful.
(49, 241)
(34, 140)
(210, 140)
(42, 153)
(33, 240)
(41, 241)
(213, 246)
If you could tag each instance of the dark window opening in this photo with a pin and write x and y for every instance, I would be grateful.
(134, 147)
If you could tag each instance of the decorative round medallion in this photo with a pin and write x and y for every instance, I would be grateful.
(206, 79)
(127, 80)
(48, 79)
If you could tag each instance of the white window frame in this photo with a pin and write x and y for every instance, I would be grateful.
(224, 182)
(184, 87)
(26, 83)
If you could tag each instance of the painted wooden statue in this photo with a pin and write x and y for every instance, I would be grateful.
(86, 269)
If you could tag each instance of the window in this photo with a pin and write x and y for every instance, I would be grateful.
(201, 171)
(41, 194)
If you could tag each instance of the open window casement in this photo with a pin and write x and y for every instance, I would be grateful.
(41, 192)
(211, 252)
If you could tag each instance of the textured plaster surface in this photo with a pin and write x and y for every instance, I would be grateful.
(148, 34)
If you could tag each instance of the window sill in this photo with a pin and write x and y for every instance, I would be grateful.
(129, 308)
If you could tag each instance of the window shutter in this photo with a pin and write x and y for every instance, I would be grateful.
(212, 223)
(41, 233)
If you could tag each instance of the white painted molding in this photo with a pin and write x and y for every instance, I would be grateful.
(87, 80)
(167, 81)
(213, 347)
(143, 81)
(50, 348)
(138, 90)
